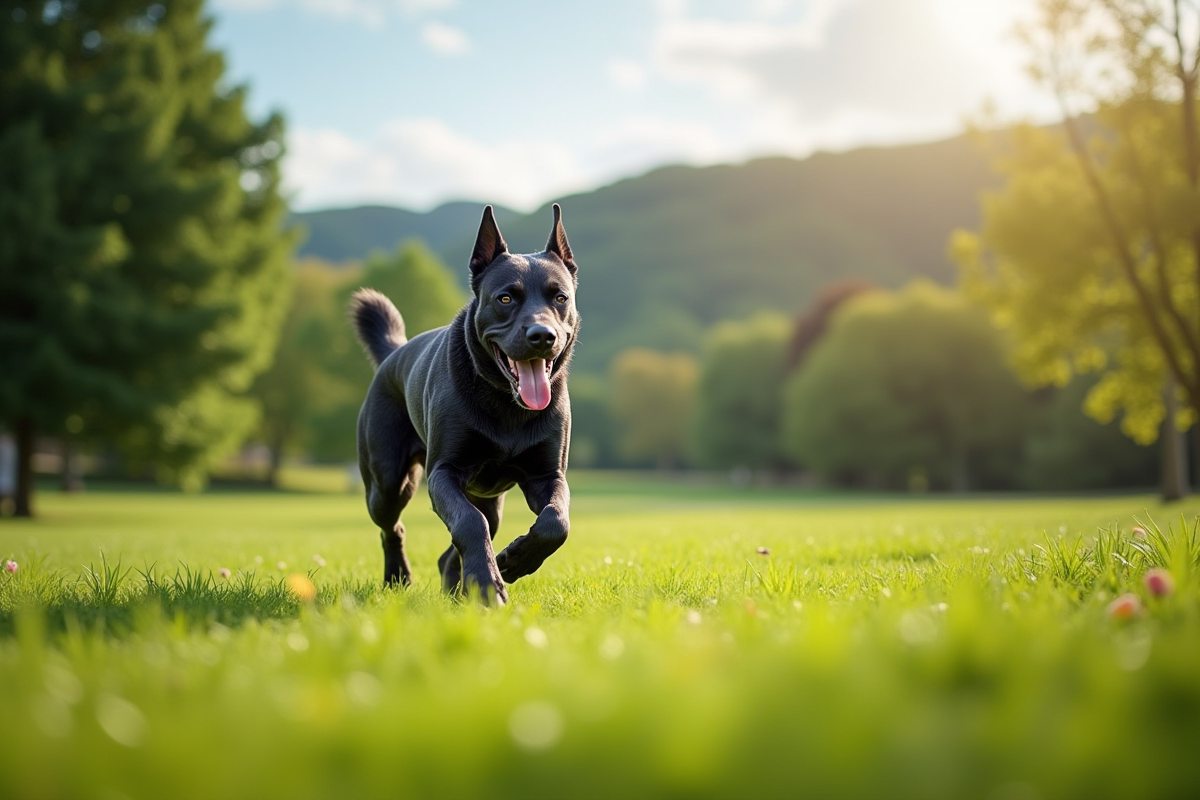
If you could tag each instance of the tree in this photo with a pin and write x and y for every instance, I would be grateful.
(738, 404)
(312, 393)
(653, 396)
(418, 282)
(1090, 255)
(299, 384)
(142, 255)
(905, 387)
(812, 324)
(426, 295)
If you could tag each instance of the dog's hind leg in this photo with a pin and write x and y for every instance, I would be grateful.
(450, 568)
(385, 501)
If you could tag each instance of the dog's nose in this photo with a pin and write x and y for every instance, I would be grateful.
(540, 335)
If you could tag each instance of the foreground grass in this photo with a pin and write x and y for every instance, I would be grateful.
(880, 649)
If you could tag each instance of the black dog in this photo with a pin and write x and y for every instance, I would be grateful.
(481, 406)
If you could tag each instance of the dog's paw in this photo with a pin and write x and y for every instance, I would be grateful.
(488, 587)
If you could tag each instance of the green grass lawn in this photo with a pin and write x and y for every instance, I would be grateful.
(884, 647)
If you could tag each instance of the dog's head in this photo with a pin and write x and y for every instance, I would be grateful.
(525, 311)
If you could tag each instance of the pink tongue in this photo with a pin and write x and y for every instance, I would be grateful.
(532, 383)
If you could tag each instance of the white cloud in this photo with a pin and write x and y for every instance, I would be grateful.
(714, 51)
(898, 60)
(626, 74)
(370, 13)
(419, 163)
(445, 40)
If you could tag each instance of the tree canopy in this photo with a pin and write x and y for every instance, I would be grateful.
(418, 282)
(1090, 254)
(142, 253)
(905, 386)
(738, 398)
(1046, 267)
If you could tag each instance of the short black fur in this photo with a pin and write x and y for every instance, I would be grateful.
(452, 403)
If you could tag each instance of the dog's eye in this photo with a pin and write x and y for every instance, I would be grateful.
(505, 298)
(561, 298)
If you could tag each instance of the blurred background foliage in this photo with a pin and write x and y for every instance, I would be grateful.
(312, 392)
(784, 320)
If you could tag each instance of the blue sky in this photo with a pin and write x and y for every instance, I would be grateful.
(416, 102)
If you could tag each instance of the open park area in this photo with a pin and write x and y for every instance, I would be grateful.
(690, 640)
(881, 320)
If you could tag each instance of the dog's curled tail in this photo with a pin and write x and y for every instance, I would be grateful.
(377, 323)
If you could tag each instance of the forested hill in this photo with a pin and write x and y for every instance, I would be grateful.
(344, 234)
(664, 255)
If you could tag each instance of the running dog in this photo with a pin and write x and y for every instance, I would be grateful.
(479, 406)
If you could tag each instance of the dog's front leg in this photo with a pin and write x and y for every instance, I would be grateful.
(550, 499)
(468, 533)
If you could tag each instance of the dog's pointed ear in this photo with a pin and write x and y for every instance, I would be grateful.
(489, 244)
(558, 241)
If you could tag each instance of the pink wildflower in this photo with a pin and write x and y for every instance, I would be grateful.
(1139, 532)
(224, 573)
(1159, 582)
(10, 566)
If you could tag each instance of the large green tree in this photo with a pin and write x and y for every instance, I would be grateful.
(1090, 254)
(142, 258)
(906, 386)
(738, 400)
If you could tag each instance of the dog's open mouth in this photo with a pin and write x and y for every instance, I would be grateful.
(531, 378)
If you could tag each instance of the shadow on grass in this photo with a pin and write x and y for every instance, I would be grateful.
(109, 599)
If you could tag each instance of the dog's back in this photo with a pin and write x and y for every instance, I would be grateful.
(377, 323)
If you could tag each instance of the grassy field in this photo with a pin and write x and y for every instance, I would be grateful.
(882, 647)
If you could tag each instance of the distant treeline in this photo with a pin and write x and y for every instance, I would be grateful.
(868, 387)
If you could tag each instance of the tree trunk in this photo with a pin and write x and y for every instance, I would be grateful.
(23, 500)
(275, 461)
(1195, 455)
(1174, 452)
(72, 481)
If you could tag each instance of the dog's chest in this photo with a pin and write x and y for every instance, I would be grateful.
(492, 480)
(493, 468)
